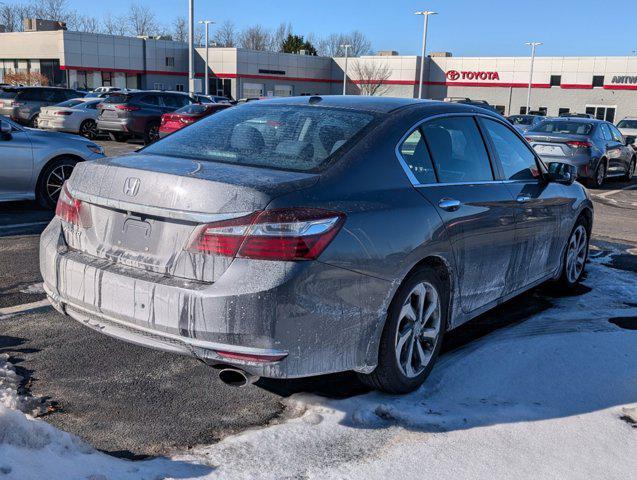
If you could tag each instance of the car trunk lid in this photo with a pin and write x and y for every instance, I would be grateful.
(144, 210)
(557, 144)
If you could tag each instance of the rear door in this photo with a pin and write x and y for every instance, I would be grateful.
(539, 206)
(476, 208)
(624, 155)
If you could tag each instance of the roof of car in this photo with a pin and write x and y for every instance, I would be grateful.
(360, 102)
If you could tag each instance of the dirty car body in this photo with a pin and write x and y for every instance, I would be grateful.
(273, 236)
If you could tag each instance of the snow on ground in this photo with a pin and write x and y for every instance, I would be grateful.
(547, 398)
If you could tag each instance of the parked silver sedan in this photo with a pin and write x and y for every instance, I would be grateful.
(309, 235)
(78, 115)
(34, 164)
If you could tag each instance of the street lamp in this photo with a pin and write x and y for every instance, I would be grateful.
(207, 24)
(425, 14)
(191, 48)
(346, 47)
(533, 46)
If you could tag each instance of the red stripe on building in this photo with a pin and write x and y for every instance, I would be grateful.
(489, 84)
(576, 86)
(620, 87)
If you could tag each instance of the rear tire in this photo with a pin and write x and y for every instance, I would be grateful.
(628, 176)
(600, 175)
(88, 129)
(33, 123)
(51, 180)
(575, 255)
(118, 136)
(412, 336)
(152, 133)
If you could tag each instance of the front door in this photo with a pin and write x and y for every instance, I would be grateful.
(477, 210)
(16, 164)
(624, 154)
(538, 206)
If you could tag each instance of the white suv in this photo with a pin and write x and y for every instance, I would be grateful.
(628, 128)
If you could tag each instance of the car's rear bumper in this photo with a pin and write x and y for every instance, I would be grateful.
(56, 125)
(585, 166)
(324, 319)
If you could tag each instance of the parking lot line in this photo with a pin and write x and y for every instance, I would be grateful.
(25, 307)
(22, 225)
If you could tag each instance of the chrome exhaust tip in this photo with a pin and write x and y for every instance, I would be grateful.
(235, 377)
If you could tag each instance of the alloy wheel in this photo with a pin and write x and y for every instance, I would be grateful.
(418, 330)
(631, 169)
(576, 254)
(55, 181)
(88, 129)
(601, 174)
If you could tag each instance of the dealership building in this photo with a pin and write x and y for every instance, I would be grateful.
(603, 86)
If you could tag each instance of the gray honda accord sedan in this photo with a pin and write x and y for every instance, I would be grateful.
(302, 236)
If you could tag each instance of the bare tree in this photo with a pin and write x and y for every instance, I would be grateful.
(115, 25)
(370, 76)
(331, 45)
(12, 16)
(141, 20)
(82, 23)
(180, 30)
(255, 38)
(278, 37)
(51, 9)
(226, 35)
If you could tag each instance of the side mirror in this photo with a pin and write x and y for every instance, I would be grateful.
(5, 130)
(563, 173)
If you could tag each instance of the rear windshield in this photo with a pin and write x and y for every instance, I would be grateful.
(192, 109)
(520, 120)
(627, 124)
(8, 94)
(70, 103)
(287, 137)
(117, 98)
(563, 126)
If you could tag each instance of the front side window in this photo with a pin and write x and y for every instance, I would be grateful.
(518, 162)
(617, 136)
(458, 150)
(286, 137)
(414, 152)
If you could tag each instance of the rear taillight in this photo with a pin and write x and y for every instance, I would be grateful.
(528, 139)
(127, 108)
(187, 120)
(69, 209)
(286, 234)
(579, 144)
(63, 113)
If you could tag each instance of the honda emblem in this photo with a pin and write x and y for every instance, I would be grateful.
(131, 186)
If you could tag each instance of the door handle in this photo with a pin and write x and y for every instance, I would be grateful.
(449, 204)
(523, 199)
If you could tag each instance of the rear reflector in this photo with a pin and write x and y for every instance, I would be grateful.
(579, 144)
(246, 357)
(285, 234)
(63, 113)
(69, 209)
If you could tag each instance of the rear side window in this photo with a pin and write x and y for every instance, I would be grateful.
(8, 94)
(31, 94)
(605, 132)
(414, 152)
(193, 109)
(287, 137)
(150, 100)
(458, 150)
(175, 101)
(617, 136)
(518, 162)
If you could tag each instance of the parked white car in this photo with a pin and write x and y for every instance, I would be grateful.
(628, 128)
(78, 115)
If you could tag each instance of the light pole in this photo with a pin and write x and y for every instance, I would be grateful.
(207, 24)
(425, 14)
(346, 47)
(191, 47)
(533, 46)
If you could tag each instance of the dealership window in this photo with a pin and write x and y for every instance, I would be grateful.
(522, 110)
(563, 111)
(500, 109)
(602, 112)
(158, 86)
(253, 90)
(598, 80)
(170, 61)
(283, 90)
(107, 79)
(556, 80)
(179, 87)
(133, 80)
(82, 80)
(543, 110)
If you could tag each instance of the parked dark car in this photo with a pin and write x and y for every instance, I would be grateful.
(23, 104)
(171, 122)
(595, 147)
(303, 236)
(124, 115)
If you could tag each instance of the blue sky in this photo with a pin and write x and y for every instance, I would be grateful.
(464, 27)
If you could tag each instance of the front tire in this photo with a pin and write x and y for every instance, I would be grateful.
(33, 123)
(152, 133)
(51, 180)
(575, 255)
(628, 176)
(412, 336)
(88, 129)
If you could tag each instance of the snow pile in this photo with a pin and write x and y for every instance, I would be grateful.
(31, 449)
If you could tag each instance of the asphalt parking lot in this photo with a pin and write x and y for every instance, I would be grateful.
(135, 402)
